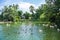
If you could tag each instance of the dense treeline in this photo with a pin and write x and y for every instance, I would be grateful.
(53, 11)
(12, 13)
(46, 12)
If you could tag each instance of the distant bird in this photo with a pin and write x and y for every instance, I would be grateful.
(58, 30)
(7, 24)
(40, 30)
(45, 25)
(51, 26)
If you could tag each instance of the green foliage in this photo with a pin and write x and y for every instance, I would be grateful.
(20, 13)
(11, 13)
(53, 12)
(26, 15)
(32, 11)
(39, 11)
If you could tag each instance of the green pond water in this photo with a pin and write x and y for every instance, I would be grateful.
(27, 31)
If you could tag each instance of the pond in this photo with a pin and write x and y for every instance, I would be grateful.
(27, 31)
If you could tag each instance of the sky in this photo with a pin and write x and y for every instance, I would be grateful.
(23, 4)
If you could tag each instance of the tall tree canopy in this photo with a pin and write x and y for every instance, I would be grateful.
(11, 13)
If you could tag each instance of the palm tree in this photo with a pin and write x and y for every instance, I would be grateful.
(31, 9)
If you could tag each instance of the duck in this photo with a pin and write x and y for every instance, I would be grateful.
(58, 30)
(45, 25)
(7, 24)
(40, 30)
(51, 26)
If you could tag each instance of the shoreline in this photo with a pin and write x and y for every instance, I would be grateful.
(5, 22)
(26, 20)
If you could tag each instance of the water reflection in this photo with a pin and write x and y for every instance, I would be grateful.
(27, 31)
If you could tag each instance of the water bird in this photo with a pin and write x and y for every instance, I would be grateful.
(58, 30)
(7, 24)
(45, 25)
(51, 26)
(40, 30)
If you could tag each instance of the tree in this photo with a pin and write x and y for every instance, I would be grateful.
(20, 13)
(32, 10)
(11, 13)
(26, 15)
(54, 11)
(39, 11)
